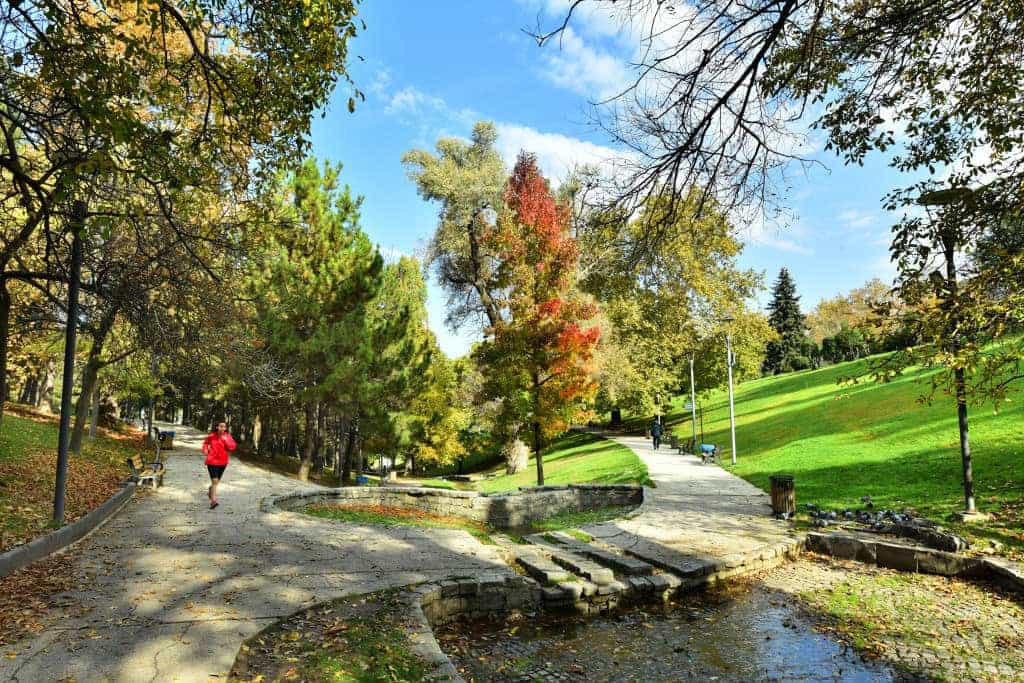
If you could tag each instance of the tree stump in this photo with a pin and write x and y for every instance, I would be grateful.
(517, 456)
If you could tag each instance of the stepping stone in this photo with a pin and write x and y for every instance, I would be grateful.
(621, 564)
(684, 565)
(539, 566)
(575, 563)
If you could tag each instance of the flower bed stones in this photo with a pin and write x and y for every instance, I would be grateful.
(503, 511)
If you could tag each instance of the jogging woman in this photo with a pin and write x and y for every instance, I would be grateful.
(216, 447)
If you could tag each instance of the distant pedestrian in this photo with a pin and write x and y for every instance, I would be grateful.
(656, 430)
(216, 447)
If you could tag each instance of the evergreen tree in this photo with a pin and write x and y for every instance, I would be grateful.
(788, 322)
(320, 272)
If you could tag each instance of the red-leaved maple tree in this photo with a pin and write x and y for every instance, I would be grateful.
(539, 359)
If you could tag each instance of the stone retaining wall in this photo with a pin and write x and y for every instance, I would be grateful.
(503, 511)
(916, 559)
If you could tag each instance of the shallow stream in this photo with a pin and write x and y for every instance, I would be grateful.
(742, 635)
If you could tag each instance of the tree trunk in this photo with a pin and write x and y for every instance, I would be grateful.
(536, 452)
(965, 440)
(616, 417)
(321, 438)
(28, 391)
(5, 321)
(307, 455)
(94, 417)
(346, 463)
(44, 397)
(89, 375)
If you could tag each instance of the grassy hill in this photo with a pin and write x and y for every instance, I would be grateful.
(576, 458)
(844, 441)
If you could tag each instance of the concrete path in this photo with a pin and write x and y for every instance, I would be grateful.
(697, 516)
(169, 589)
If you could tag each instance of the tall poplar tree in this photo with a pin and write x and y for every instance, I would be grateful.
(788, 322)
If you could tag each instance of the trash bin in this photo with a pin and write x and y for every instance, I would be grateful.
(783, 494)
(166, 440)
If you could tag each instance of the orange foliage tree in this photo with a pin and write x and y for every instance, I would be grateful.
(538, 361)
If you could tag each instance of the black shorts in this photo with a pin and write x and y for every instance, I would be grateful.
(216, 471)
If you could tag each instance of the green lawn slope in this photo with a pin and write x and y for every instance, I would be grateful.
(576, 458)
(843, 441)
(28, 456)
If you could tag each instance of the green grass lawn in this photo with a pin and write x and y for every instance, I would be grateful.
(845, 441)
(28, 456)
(576, 458)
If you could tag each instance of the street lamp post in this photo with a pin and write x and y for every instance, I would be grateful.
(693, 408)
(732, 412)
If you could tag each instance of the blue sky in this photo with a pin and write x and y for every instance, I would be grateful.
(434, 68)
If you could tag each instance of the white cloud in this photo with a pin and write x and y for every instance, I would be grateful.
(410, 101)
(883, 268)
(557, 154)
(760, 232)
(576, 66)
(595, 18)
(855, 219)
(381, 82)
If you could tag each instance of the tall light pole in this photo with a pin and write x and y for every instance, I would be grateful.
(732, 411)
(693, 407)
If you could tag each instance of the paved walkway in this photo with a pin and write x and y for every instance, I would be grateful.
(697, 515)
(169, 589)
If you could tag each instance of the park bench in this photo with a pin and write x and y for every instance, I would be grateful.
(710, 452)
(142, 472)
(673, 442)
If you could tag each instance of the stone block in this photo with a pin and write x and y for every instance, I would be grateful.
(663, 582)
(893, 556)
(944, 564)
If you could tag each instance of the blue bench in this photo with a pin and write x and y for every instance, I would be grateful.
(710, 452)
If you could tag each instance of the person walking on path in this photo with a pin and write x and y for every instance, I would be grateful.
(216, 446)
(656, 430)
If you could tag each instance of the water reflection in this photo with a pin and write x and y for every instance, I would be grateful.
(740, 634)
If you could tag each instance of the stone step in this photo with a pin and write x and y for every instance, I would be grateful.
(620, 564)
(539, 566)
(577, 564)
(684, 565)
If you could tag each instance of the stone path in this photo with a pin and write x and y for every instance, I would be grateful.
(698, 519)
(169, 589)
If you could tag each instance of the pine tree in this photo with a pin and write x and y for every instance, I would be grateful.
(788, 322)
(314, 290)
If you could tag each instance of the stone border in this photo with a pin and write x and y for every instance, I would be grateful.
(501, 510)
(25, 554)
(917, 559)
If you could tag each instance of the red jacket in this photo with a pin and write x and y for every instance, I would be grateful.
(217, 447)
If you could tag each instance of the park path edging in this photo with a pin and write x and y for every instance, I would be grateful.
(37, 549)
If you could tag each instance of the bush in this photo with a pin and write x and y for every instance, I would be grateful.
(800, 363)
